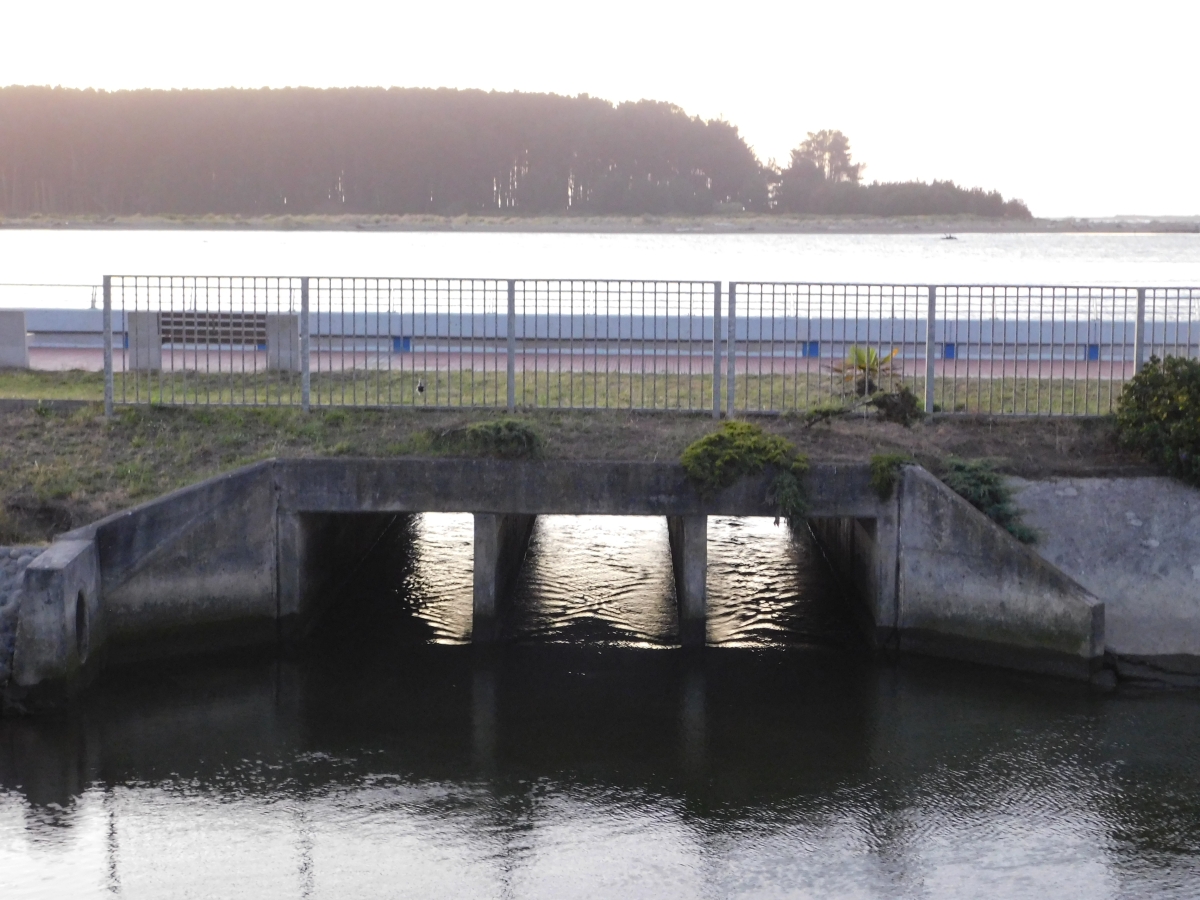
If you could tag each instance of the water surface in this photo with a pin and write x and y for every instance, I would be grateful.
(588, 757)
(84, 257)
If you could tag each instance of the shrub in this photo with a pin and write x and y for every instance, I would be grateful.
(503, 438)
(885, 470)
(719, 460)
(900, 406)
(1158, 415)
(978, 482)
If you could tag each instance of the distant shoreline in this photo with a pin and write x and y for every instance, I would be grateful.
(714, 224)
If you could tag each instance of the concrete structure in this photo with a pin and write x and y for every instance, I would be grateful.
(61, 619)
(1135, 544)
(940, 578)
(500, 545)
(144, 334)
(250, 557)
(13, 350)
(283, 343)
(688, 536)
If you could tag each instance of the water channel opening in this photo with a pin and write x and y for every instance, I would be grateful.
(598, 581)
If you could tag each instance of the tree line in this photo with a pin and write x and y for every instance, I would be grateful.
(376, 151)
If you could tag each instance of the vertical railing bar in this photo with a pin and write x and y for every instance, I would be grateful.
(731, 350)
(1139, 332)
(305, 344)
(108, 348)
(716, 350)
(511, 345)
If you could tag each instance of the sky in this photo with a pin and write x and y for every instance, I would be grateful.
(1078, 108)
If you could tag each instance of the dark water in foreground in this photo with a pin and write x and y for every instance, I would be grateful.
(585, 760)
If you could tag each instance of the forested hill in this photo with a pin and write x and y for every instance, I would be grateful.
(395, 151)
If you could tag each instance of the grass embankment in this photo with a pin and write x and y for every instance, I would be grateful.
(664, 390)
(60, 469)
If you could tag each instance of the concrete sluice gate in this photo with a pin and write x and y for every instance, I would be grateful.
(254, 556)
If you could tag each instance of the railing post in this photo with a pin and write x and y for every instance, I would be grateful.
(305, 373)
(511, 334)
(1139, 333)
(930, 346)
(716, 349)
(730, 349)
(108, 362)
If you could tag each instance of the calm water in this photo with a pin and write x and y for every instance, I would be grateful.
(83, 257)
(584, 759)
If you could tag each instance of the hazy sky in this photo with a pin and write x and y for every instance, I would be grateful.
(1079, 108)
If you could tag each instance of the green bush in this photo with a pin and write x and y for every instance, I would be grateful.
(503, 438)
(1158, 415)
(978, 482)
(719, 460)
(900, 406)
(885, 470)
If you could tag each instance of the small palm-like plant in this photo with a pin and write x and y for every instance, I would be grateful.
(865, 367)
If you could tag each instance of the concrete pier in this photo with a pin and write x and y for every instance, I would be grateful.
(500, 545)
(688, 536)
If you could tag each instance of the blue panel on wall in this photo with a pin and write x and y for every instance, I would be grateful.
(948, 351)
(401, 344)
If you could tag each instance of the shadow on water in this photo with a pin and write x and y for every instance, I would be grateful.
(380, 761)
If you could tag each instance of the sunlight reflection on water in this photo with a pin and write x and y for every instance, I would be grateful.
(608, 580)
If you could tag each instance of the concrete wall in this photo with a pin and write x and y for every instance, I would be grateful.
(145, 341)
(938, 577)
(862, 552)
(61, 621)
(196, 568)
(283, 343)
(553, 487)
(13, 350)
(969, 590)
(1135, 544)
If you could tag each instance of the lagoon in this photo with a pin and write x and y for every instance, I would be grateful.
(83, 257)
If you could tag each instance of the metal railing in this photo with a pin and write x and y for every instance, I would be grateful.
(618, 344)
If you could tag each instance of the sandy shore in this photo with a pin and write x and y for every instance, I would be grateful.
(716, 224)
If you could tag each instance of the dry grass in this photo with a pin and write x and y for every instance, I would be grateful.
(64, 468)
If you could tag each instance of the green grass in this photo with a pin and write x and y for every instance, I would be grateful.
(542, 390)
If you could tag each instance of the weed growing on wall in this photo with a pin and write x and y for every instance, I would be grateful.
(978, 482)
(718, 460)
(885, 471)
(1158, 415)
